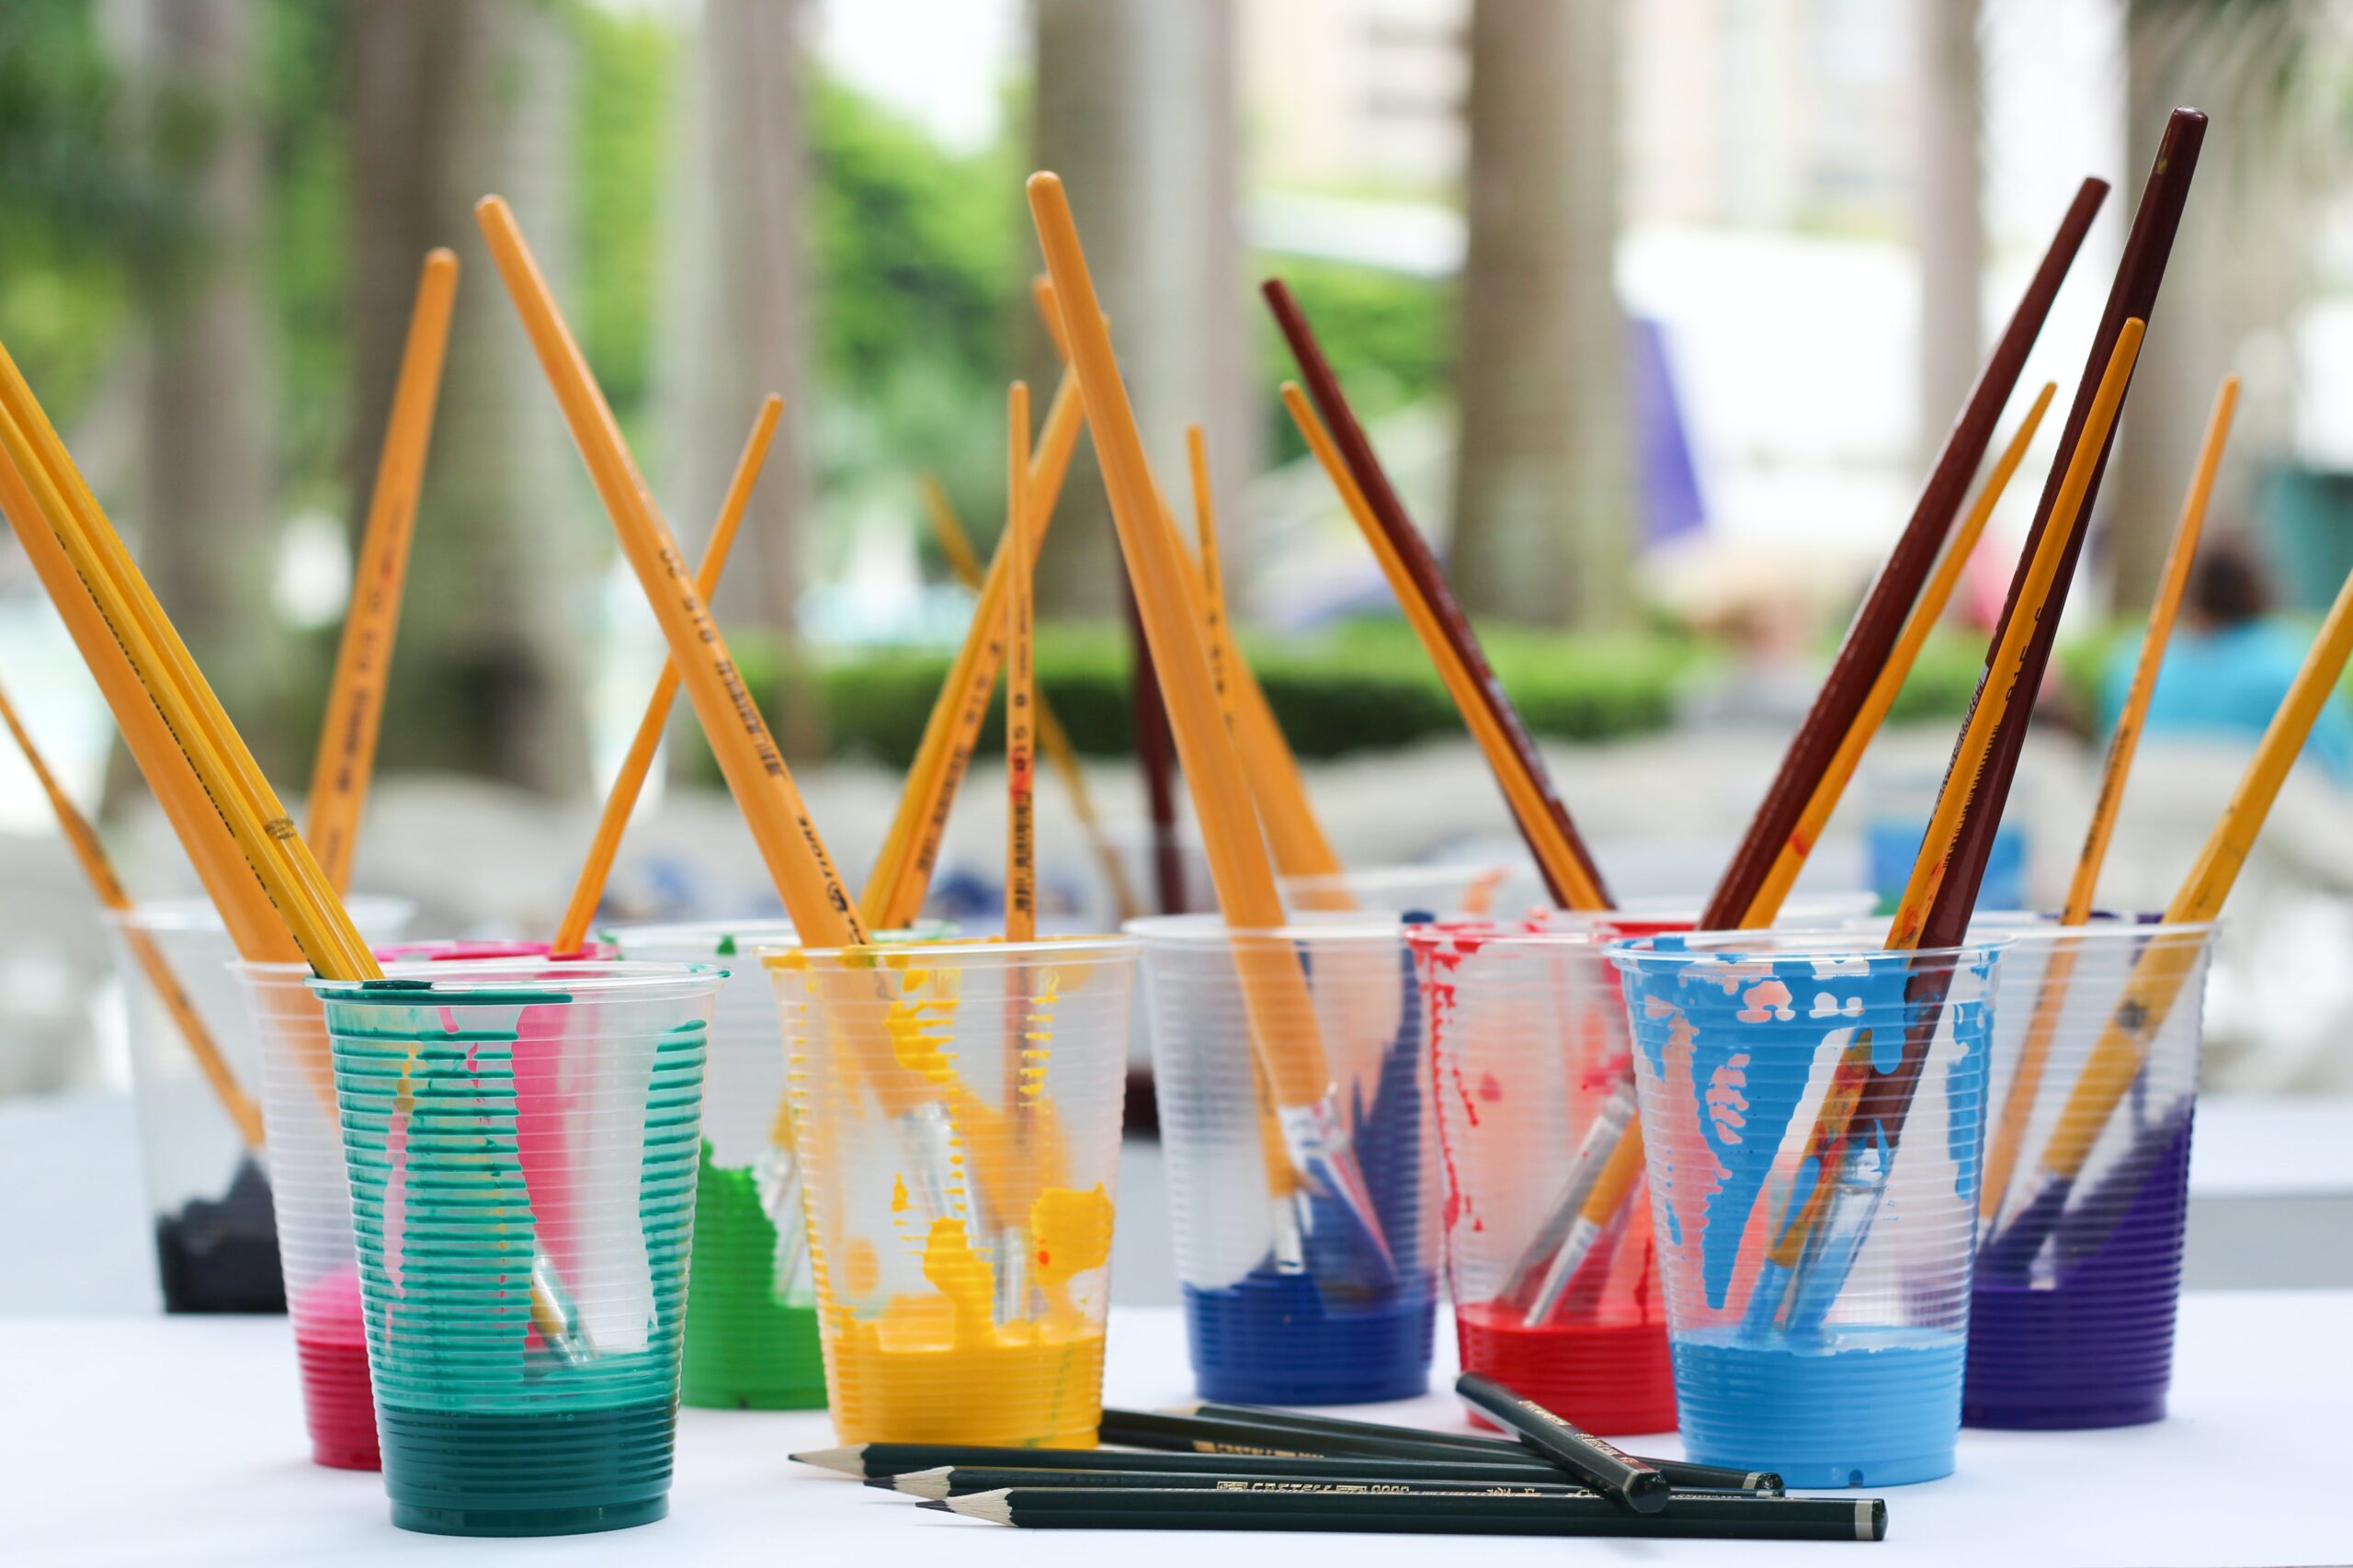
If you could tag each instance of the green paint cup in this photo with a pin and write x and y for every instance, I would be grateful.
(521, 1139)
(752, 1325)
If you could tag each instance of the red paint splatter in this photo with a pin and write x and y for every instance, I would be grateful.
(1489, 1089)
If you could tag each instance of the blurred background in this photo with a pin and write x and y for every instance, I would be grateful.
(1657, 313)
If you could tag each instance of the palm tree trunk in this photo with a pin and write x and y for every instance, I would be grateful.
(1135, 110)
(2237, 274)
(1950, 214)
(1544, 506)
(738, 332)
(208, 517)
(454, 99)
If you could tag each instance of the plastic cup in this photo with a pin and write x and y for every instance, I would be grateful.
(2072, 1307)
(520, 1140)
(312, 1197)
(1265, 1326)
(1818, 1316)
(956, 1113)
(752, 1321)
(1473, 888)
(1532, 1070)
(216, 1238)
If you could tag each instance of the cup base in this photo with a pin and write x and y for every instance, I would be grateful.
(1869, 1407)
(1611, 1379)
(1269, 1340)
(2064, 1418)
(556, 1472)
(338, 1405)
(517, 1522)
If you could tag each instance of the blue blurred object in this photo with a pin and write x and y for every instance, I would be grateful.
(1892, 844)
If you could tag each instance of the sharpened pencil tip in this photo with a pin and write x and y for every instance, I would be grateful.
(850, 1461)
(932, 1502)
(930, 1482)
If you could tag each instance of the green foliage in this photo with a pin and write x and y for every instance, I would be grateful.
(1390, 339)
(79, 195)
(621, 155)
(1364, 688)
(303, 81)
(915, 257)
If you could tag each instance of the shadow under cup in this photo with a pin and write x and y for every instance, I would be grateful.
(520, 1138)
(2088, 1175)
(1813, 1108)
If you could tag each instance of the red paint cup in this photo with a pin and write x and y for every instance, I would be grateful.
(1556, 1290)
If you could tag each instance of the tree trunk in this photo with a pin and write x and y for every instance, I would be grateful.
(1545, 512)
(1950, 215)
(206, 505)
(1135, 110)
(2236, 275)
(737, 334)
(453, 99)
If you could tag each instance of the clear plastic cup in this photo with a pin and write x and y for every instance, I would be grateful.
(2087, 1173)
(216, 1240)
(752, 1321)
(1817, 1293)
(312, 1197)
(520, 1138)
(1471, 888)
(1532, 1074)
(1265, 1326)
(956, 1113)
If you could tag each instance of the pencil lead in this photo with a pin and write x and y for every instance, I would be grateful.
(934, 1502)
(850, 1461)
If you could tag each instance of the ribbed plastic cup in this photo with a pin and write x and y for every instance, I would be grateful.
(1477, 888)
(1531, 1066)
(1265, 1327)
(2072, 1311)
(520, 1138)
(216, 1237)
(312, 1197)
(1843, 1369)
(751, 1331)
(956, 1113)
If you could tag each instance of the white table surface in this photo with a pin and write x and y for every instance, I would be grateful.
(179, 1441)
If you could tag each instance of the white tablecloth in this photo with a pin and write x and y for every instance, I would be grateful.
(180, 1440)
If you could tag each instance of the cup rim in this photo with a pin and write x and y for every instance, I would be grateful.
(1793, 943)
(1404, 874)
(1103, 944)
(196, 912)
(670, 936)
(2037, 925)
(505, 982)
(1210, 929)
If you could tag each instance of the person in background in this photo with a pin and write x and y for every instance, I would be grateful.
(2228, 666)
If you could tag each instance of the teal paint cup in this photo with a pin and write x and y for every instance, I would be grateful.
(520, 1137)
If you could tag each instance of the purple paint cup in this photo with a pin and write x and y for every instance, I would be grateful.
(2087, 1173)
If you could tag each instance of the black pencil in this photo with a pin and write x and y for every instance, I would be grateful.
(1680, 1474)
(877, 1461)
(1422, 1513)
(1604, 1466)
(958, 1481)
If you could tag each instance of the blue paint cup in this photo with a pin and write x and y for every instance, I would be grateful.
(1813, 1110)
(1288, 1299)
